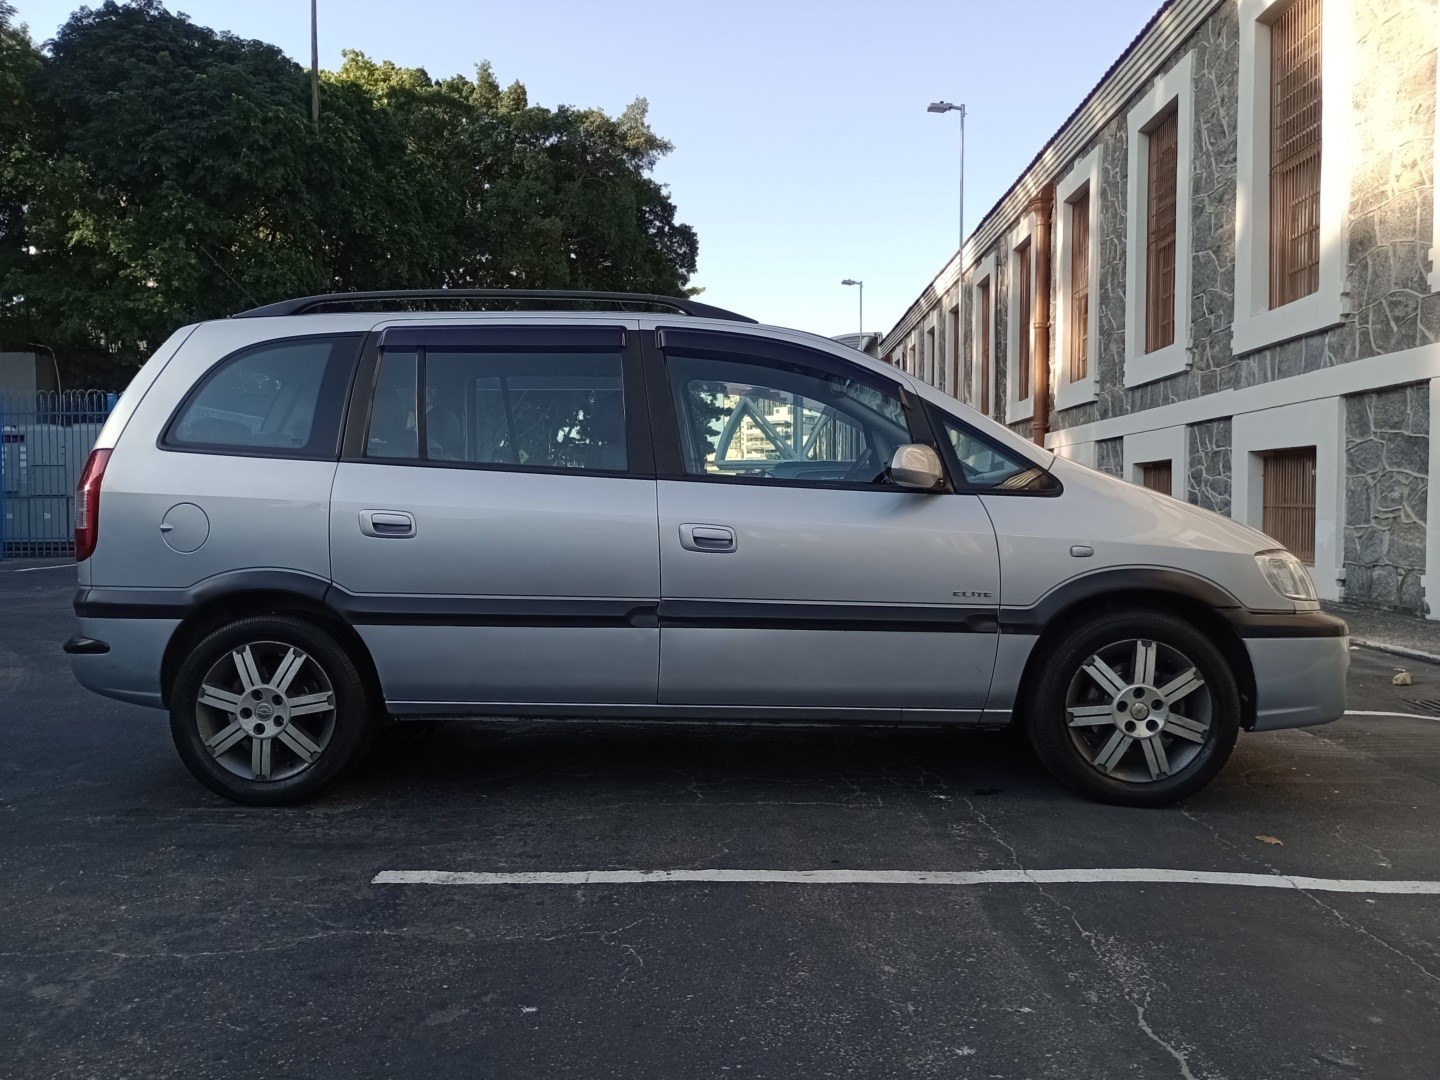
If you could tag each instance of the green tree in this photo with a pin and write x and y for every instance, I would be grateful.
(164, 172)
(542, 198)
(19, 63)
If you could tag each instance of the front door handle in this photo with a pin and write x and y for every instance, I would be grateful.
(387, 524)
(719, 538)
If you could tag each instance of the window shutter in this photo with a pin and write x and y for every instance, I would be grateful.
(984, 353)
(1289, 500)
(1022, 317)
(1295, 153)
(1079, 328)
(1157, 476)
(958, 365)
(1164, 145)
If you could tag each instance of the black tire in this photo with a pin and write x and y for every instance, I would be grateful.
(355, 712)
(1047, 721)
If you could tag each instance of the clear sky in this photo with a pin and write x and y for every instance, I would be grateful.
(803, 151)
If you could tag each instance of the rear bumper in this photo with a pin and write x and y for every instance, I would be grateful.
(127, 668)
(1299, 681)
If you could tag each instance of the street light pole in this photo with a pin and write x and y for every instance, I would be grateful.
(853, 281)
(945, 107)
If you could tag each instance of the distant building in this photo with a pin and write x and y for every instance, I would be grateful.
(868, 342)
(1221, 279)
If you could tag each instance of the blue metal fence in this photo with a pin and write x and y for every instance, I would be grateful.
(44, 441)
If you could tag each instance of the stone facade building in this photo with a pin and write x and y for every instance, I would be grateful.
(1221, 278)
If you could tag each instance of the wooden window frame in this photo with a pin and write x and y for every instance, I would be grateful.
(1024, 318)
(952, 334)
(1081, 182)
(1077, 328)
(1174, 89)
(1288, 476)
(1257, 325)
(1162, 198)
(1151, 472)
(1018, 339)
(982, 337)
(1296, 104)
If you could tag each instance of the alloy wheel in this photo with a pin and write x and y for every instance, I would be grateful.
(1139, 710)
(265, 711)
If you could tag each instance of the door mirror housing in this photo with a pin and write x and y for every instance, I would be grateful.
(917, 467)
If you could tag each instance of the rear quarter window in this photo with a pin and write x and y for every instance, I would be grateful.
(277, 399)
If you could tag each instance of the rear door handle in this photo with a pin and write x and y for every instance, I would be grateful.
(718, 538)
(388, 524)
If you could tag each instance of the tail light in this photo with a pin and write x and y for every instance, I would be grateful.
(87, 504)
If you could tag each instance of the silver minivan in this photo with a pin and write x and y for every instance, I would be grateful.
(335, 513)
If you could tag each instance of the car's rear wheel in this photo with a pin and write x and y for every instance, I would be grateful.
(1135, 707)
(270, 710)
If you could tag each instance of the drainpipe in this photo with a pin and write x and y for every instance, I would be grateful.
(1042, 206)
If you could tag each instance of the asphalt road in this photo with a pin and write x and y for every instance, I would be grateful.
(149, 929)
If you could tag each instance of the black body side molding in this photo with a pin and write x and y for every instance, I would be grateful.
(1167, 582)
(105, 603)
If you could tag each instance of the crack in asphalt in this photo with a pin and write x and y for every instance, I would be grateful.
(1117, 964)
(1334, 912)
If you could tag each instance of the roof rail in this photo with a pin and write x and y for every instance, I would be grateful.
(305, 305)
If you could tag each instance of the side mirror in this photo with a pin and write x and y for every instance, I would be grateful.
(916, 466)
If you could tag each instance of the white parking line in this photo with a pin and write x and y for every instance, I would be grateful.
(1403, 715)
(32, 569)
(908, 877)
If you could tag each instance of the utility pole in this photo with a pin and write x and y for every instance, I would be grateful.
(314, 65)
(852, 281)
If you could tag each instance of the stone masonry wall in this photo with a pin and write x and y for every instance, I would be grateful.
(1215, 47)
(1210, 464)
(1391, 197)
(1110, 456)
(1387, 454)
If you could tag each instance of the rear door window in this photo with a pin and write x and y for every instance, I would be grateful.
(546, 410)
(279, 399)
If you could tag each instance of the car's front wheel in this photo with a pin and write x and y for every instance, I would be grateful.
(270, 710)
(1135, 707)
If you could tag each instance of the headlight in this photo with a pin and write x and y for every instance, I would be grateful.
(1286, 574)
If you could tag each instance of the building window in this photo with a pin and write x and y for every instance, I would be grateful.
(1077, 348)
(1288, 493)
(1024, 286)
(1162, 146)
(929, 375)
(982, 335)
(1157, 475)
(1295, 153)
(1078, 281)
(1295, 97)
(982, 368)
(952, 331)
(910, 366)
(1157, 271)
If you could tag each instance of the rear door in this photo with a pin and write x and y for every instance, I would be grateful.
(793, 575)
(493, 520)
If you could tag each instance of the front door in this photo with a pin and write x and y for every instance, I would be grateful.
(493, 519)
(793, 575)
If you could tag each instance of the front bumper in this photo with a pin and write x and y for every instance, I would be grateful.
(129, 667)
(1299, 681)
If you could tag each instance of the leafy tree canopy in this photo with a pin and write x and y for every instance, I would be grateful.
(154, 172)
